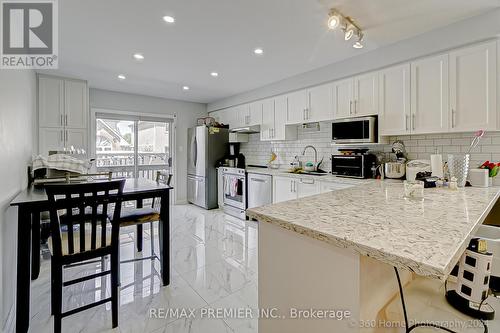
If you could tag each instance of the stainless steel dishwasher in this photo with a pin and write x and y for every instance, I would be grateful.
(260, 190)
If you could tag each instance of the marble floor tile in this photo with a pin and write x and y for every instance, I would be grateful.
(213, 256)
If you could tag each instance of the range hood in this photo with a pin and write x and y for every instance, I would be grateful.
(246, 129)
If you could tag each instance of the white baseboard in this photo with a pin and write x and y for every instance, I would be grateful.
(181, 202)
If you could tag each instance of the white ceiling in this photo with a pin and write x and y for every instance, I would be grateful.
(97, 39)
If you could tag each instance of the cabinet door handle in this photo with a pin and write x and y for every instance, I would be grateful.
(413, 119)
(406, 122)
(291, 186)
(355, 106)
(350, 107)
(453, 118)
(66, 120)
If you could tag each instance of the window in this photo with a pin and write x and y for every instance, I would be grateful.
(132, 146)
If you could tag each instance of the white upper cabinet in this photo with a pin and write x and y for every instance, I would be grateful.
(75, 104)
(343, 96)
(320, 103)
(274, 116)
(62, 113)
(365, 95)
(297, 107)
(50, 101)
(310, 105)
(267, 125)
(473, 94)
(394, 115)
(254, 114)
(429, 95)
(50, 138)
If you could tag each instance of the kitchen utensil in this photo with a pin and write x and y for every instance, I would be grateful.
(479, 177)
(415, 166)
(458, 167)
(477, 136)
(398, 148)
(395, 170)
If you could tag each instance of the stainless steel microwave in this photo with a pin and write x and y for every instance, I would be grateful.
(355, 130)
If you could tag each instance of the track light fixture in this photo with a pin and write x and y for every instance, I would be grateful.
(349, 28)
(359, 44)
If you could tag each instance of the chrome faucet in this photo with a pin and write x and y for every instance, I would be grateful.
(315, 154)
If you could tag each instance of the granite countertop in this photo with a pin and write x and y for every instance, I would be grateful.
(327, 177)
(374, 219)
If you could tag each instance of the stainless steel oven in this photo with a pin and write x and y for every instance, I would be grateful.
(355, 130)
(234, 198)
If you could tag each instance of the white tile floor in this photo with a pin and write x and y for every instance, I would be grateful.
(214, 265)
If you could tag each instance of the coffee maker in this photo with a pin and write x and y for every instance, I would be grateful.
(235, 158)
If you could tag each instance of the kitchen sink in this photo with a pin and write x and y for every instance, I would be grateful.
(309, 173)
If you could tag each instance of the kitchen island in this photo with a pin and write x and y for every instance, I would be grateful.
(337, 250)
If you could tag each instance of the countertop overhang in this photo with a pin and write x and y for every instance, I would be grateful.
(374, 219)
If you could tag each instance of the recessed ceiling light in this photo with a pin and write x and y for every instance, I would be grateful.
(138, 56)
(258, 51)
(122, 77)
(214, 74)
(168, 19)
(333, 20)
(185, 88)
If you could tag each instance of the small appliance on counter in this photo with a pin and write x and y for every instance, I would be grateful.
(354, 163)
(473, 277)
(414, 167)
(396, 169)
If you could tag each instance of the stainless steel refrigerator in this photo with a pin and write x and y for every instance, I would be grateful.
(206, 145)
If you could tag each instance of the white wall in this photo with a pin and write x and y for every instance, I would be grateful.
(186, 114)
(464, 32)
(17, 114)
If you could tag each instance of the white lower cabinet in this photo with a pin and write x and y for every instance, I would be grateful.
(306, 187)
(284, 189)
(287, 188)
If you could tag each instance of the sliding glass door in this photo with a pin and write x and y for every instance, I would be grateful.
(133, 146)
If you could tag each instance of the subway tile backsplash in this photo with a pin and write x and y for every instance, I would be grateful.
(418, 146)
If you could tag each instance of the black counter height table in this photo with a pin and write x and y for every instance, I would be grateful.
(32, 201)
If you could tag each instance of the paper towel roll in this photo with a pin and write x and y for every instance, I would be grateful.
(437, 165)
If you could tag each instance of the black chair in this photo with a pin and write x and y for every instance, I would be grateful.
(87, 233)
(140, 215)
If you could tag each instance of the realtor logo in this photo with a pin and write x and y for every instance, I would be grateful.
(29, 34)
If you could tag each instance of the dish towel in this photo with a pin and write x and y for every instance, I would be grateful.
(60, 162)
(227, 186)
(234, 186)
